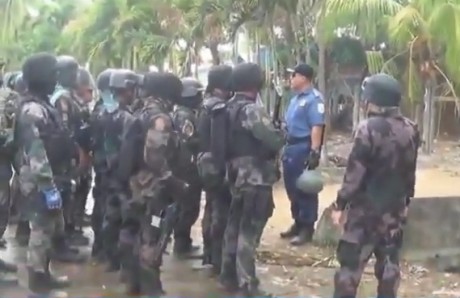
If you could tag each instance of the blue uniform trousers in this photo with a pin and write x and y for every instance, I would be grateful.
(304, 207)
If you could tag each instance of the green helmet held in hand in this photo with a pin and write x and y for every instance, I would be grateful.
(310, 182)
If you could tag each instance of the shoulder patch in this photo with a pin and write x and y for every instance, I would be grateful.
(320, 108)
(188, 128)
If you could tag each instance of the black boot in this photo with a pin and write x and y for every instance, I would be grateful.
(291, 232)
(44, 282)
(183, 248)
(22, 233)
(63, 253)
(150, 283)
(253, 291)
(304, 236)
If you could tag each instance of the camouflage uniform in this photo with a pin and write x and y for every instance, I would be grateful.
(115, 125)
(218, 197)
(8, 101)
(379, 179)
(253, 144)
(71, 115)
(151, 192)
(100, 170)
(184, 120)
(42, 153)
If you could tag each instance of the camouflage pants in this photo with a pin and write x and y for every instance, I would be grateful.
(131, 214)
(112, 223)
(4, 205)
(18, 201)
(366, 234)
(250, 209)
(213, 225)
(44, 226)
(81, 196)
(189, 211)
(67, 203)
(146, 249)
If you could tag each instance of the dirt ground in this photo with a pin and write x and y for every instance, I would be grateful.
(285, 271)
(308, 271)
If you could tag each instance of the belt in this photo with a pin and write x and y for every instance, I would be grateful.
(294, 141)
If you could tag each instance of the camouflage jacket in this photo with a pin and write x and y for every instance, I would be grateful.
(382, 163)
(159, 149)
(34, 128)
(255, 170)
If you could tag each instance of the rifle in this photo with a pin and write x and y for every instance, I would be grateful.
(168, 218)
(277, 109)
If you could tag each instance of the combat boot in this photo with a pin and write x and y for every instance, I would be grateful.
(150, 283)
(62, 252)
(184, 249)
(44, 282)
(22, 233)
(291, 232)
(304, 236)
(252, 291)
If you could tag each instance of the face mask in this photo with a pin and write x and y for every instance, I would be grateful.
(110, 104)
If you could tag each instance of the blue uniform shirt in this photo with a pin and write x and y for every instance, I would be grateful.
(305, 110)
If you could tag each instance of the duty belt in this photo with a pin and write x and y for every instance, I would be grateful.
(294, 140)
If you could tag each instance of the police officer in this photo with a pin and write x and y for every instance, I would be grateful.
(185, 122)
(123, 84)
(378, 185)
(84, 96)
(253, 144)
(153, 184)
(72, 112)
(100, 189)
(40, 140)
(212, 174)
(304, 124)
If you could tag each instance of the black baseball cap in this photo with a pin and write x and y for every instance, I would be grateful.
(303, 69)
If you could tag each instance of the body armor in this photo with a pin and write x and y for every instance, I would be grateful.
(58, 144)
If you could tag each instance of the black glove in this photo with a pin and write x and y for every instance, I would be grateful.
(313, 160)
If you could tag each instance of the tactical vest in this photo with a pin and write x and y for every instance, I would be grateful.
(187, 135)
(113, 131)
(209, 110)
(59, 146)
(240, 142)
(132, 147)
(97, 137)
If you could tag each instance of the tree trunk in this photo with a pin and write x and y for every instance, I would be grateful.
(428, 118)
(322, 89)
(214, 48)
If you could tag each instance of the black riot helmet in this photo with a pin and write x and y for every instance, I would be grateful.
(191, 87)
(39, 72)
(103, 79)
(124, 79)
(67, 71)
(19, 84)
(10, 78)
(381, 90)
(219, 77)
(192, 93)
(84, 78)
(247, 77)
